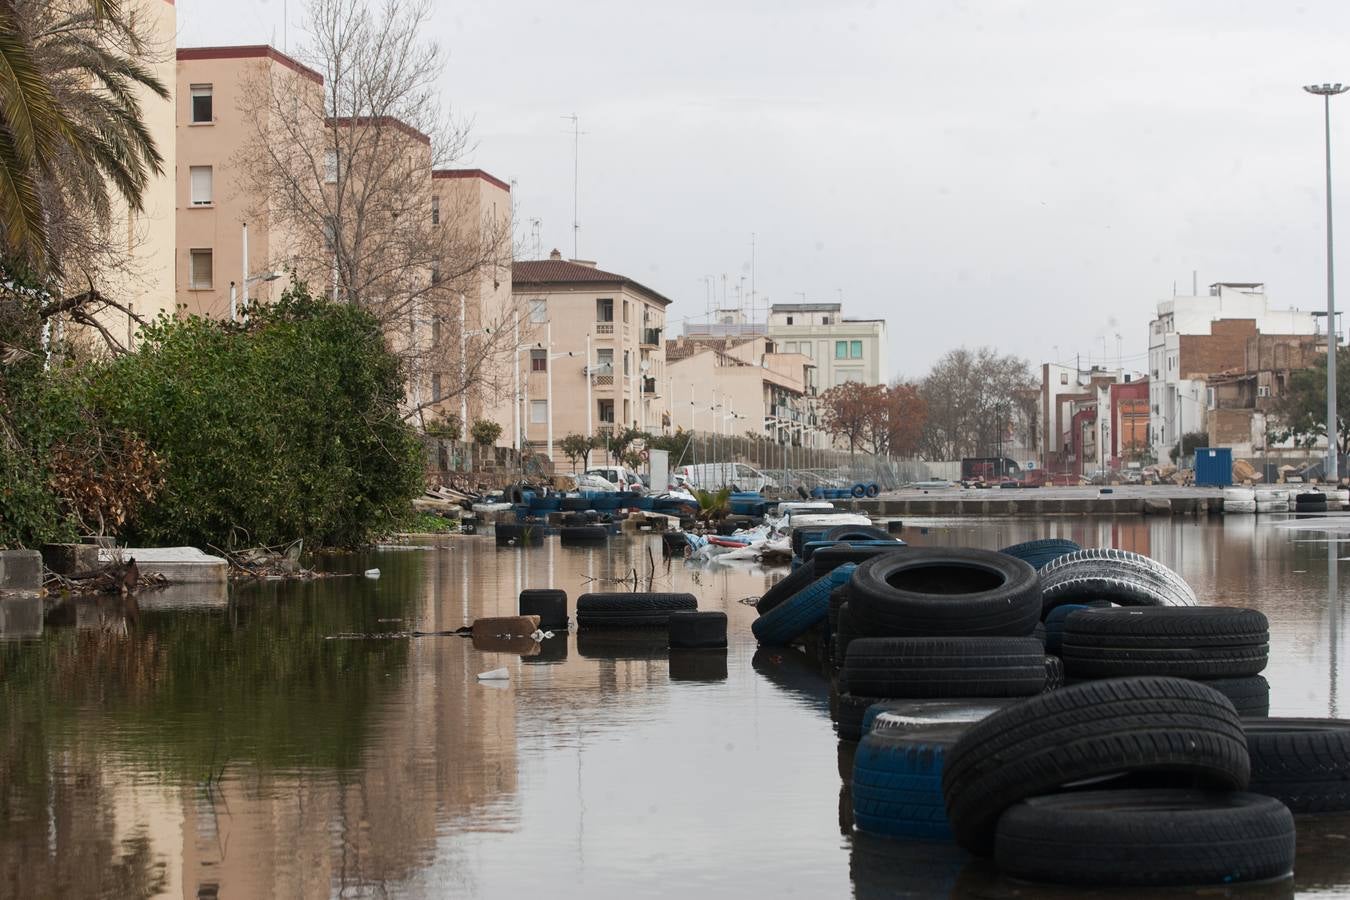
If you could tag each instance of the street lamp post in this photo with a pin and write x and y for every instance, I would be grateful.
(1326, 92)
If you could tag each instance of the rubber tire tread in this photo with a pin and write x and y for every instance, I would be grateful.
(849, 712)
(897, 783)
(1200, 663)
(697, 629)
(1040, 552)
(630, 610)
(788, 621)
(785, 588)
(880, 610)
(1154, 727)
(583, 534)
(858, 533)
(1250, 696)
(1168, 626)
(1304, 763)
(944, 667)
(1147, 838)
(1124, 578)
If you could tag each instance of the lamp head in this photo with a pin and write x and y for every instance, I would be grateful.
(1326, 90)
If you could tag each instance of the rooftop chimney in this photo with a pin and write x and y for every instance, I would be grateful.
(555, 254)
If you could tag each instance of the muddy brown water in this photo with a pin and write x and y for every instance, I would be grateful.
(179, 747)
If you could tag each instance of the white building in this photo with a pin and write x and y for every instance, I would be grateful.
(842, 349)
(1194, 337)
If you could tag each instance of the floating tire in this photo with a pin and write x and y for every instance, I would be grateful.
(897, 782)
(1239, 507)
(944, 667)
(1119, 576)
(1202, 642)
(1148, 838)
(583, 534)
(630, 610)
(1042, 551)
(549, 604)
(1149, 728)
(903, 715)
(873, 489)
(781, 590)
(697, 630)
(1310, 502)
(1238, 495)
(858, 491)
(858, 533)
(518, 535)
(1272, 506)
(574, 504)
(827, 559)
(807, 608)
(1304, 763)
(932, 592)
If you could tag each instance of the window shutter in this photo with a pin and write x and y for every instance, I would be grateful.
(201, 185)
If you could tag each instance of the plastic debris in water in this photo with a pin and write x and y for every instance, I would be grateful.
(372, 573)
(541, 635)
(494, 675)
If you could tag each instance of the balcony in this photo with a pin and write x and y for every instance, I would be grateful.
(651, 337)
(604, 328)
(649, 386)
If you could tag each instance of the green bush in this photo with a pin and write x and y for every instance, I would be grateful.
(287, 427)
(485, 432)
(448, 427)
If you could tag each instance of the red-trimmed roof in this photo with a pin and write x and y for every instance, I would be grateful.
(470, 173)
(250, 51)
(560, 271)
(378, 122)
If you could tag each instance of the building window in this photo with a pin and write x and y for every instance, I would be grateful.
(604, 360)
(625, 312)
(201, 104)
(808, 349)
(436, 387)
(1063, 377)
(538, 360)
(435, 210)
(538, 311)
(604, 310)
(606, 409)
(330, 166)
(855, 349)
(826, 320)
(538, 412)
(790, 347)
(789, 320)
(625, 365)
(841, 349)
(201, 185)
(436, 274)
(200, 277)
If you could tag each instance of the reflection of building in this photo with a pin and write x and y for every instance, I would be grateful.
(843, 349)
(1194, 338)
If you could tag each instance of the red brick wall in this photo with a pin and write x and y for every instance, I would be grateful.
(1223, 350)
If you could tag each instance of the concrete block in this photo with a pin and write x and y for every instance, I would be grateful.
(1157, 506)
(178, 565)
(20, 617)
(20, 570)
(70, 559)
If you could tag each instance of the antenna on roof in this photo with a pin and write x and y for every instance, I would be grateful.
(576, 166)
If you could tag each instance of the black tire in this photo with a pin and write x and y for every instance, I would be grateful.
(1205, 642)
(697, 630)
(933, 592)
(698, 665)
(1122, 577)
(574, 504)
(781, 590)
(623, 643)
(583, 534)
(635, 610)
(549, 604)
(1304, 763)
(904, 715)
(897, 782)
(844, 634)
(838, 597)
(849, 711)
(1146, 837)
(1039, 633)
(944, 667)
(1040, 552)
(1250, 696)
(805, 610)
(858, 533)
(1162, 731)
(827, 559)
(1054, 622)
(1054, 673)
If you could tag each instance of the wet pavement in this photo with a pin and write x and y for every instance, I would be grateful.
(178, 749)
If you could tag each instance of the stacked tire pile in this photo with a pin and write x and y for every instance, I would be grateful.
(1271, 500)
(643, 625)
(1310, 502)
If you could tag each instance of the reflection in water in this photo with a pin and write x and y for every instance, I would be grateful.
(233, 750)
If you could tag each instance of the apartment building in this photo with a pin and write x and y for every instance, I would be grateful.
(592, 341)
(1194, 338)
(842, 349)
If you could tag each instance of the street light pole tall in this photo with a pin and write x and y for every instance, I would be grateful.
(1326, 92)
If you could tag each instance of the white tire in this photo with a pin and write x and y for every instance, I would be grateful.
(1239, 494)
(1239, 506)
(1270, 496)
(1272, 506)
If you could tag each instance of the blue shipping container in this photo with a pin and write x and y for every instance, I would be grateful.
(1214, 466)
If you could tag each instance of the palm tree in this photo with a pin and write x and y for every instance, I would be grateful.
(71, 129)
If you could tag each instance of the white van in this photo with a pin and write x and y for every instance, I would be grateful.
(712, 476)
(623, 479)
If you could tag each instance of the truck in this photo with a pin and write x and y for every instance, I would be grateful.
(712, 476)
(989, 470)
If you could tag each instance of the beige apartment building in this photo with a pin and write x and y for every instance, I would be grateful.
(583, 325)
(736, 386)
(842, 348)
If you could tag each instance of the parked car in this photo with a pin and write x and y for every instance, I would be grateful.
(621, 477)
(712, 476)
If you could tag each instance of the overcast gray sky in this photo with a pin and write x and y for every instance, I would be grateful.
(1031, 175)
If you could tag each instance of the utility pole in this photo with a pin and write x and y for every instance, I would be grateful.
(1326, 92)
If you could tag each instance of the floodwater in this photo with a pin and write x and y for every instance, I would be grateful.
(187, 747)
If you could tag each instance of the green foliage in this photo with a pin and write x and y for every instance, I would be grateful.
(428, 523)
(1190, 442)
(286, 428)
(448, 427)
(623, 438)
(713, 505)
(485, 432)
(1302, 411)
(578, 447)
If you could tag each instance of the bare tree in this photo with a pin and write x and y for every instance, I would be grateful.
(344, 175)
(970, 397)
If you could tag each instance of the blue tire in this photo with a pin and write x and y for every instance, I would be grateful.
(873, 489)
(1039, 553)
(897, 782)
(859, 491)
(795, 616)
